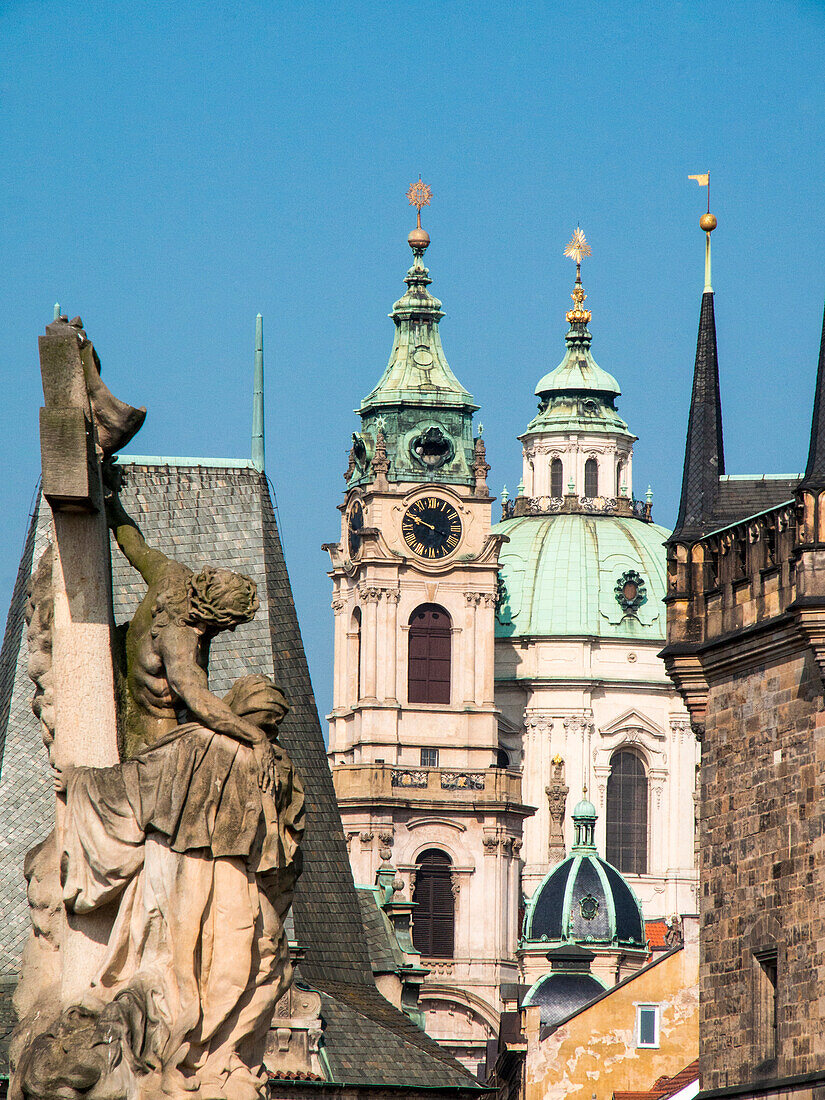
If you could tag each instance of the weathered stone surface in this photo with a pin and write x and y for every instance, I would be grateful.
(159, 949)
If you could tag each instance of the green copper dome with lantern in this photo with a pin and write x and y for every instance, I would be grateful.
(582, 557)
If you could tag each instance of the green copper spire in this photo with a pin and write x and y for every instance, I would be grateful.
(258, 397)
(578, 395)
(417, 372)
(425, 413)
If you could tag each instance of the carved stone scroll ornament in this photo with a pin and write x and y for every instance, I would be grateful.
(557, 801)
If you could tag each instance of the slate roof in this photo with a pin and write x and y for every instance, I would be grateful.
(560, 995)
(704, 449)
(815, 470)
(711, 500)
(386, 957)
(205, 514)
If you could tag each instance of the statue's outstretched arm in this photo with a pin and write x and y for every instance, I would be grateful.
(129, 538)
(188, 681)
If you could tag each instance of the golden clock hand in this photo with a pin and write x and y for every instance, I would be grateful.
(424, 522)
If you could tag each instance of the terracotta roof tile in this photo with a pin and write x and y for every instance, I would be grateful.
(665, 1086)
(655, 930)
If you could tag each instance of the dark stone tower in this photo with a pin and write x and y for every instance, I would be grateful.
(746, 649)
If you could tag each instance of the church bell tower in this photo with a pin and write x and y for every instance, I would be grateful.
(420, 778)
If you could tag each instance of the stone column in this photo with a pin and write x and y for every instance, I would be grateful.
(469, 648)
(392, 596)
(381, 670)
(369, 642)
(340, 654)
(538, 728)
(485, 642)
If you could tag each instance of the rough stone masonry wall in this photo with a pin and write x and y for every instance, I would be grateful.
(763, 869)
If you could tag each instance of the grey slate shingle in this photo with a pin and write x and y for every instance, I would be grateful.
(209, 515)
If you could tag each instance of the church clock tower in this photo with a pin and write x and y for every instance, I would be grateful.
(421, 780)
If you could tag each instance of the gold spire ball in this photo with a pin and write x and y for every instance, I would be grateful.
(708, 223)
(419, 195)
(578, 247)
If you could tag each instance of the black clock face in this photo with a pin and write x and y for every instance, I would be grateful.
(356, 522)
(431, 527)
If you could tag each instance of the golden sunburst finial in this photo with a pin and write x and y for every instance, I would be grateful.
(578, 246)
(419, 195)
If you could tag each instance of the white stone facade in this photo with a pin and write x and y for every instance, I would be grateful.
(393, 806)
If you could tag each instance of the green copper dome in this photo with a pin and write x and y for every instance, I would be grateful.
(584, 899)
(584, 809)
(572, 574)
(578, 395)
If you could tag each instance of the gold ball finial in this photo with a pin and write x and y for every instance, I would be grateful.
(708, 222)
(419, 195)
(419, 239)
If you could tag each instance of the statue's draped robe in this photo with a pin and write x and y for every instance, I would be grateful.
(204, 863)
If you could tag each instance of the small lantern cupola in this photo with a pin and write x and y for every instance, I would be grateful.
(578, 436)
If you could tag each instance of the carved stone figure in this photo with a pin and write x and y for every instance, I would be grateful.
(39, 621)
(158, 903)
(168, 640)
(557, 799)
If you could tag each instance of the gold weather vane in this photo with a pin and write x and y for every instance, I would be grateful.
(708, 223)
(577, 248)
(419, 195)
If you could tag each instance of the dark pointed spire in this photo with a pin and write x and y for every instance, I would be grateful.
(815, 470)
(704, 451)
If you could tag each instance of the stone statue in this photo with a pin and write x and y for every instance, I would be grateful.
(167, 642)
(158, 903)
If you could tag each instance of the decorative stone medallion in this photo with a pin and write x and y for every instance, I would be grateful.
(589, 907)
(631, 592)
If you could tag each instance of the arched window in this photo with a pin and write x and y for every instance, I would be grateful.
(433, 931)
(619, 478)
(428, 671)
(591, 478)
(502, 758)
(556, 478)
(627, 814)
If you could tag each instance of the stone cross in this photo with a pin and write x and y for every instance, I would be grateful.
(83, 678)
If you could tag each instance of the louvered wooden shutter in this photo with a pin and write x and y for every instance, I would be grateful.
(433, 932)
(428, 677)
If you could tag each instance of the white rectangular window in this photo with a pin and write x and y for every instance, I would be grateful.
(429, 758)
(647, 1025)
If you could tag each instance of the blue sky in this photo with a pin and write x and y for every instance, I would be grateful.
(171, 170)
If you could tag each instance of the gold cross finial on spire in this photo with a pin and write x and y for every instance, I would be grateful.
(419, 195)
(576, 248)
